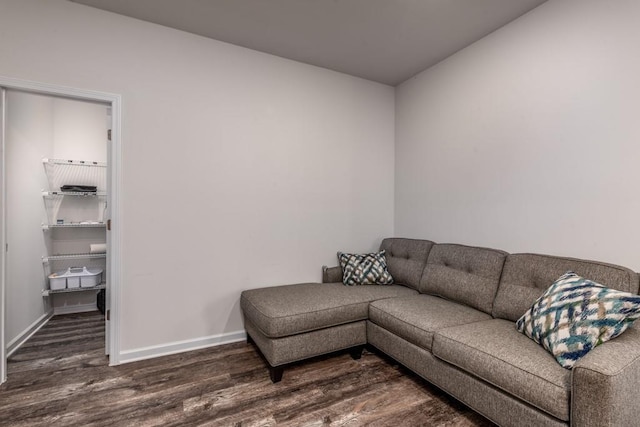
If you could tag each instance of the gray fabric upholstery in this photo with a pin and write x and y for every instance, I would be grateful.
(331, 274)
(406, 259)
(497, 353)
(466, 274)
(605, 383)
(500, 407)
(415, 318)
(526, 276)
(446, 334)
(280, 311)
(279, 351)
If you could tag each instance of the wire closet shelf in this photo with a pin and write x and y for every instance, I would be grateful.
(63, 206)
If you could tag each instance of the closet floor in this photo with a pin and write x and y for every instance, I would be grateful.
(61, 377)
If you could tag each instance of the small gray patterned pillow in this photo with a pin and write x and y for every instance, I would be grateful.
(364, 269)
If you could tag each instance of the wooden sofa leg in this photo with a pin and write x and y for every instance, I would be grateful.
(249, 339)
(275, 372)
(356, 352)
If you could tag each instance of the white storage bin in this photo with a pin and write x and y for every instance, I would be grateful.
(75, 277)
(90, 277)
(57, 281)
(73, 282)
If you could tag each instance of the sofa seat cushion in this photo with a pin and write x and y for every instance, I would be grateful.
(497, 353)
(281, 311)
(415, 318)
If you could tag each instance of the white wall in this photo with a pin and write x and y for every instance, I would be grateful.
(29, 138)
(80, 130)
(528, 140)
(240, 169)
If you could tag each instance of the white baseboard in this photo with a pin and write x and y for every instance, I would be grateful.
(128, 356)
(83, 308)
(15, 343)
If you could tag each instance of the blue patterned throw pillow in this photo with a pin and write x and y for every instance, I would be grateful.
(364, 269)
(575, 315)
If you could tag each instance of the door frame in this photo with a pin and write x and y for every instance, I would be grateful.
(114, 271)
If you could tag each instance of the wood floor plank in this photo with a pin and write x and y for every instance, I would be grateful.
(61, 377)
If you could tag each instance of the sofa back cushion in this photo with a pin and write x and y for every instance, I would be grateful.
(406, 259)
(526, 276)
(465, 274)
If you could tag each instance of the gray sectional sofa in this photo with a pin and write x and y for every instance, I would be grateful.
(450, 318)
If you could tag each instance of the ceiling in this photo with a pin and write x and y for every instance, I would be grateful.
(387, 41)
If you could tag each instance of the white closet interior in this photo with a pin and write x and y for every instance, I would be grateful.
(51, 142)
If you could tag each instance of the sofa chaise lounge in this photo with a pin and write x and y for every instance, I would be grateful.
(450, 318)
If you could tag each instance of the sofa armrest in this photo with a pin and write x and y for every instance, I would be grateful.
(605, 383)
(331, 274)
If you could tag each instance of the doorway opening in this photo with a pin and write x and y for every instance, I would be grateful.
(60, 230)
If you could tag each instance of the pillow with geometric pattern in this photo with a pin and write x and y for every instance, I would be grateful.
(575, 314)
(364, 269)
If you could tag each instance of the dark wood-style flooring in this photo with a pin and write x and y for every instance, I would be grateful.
(61, 377)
